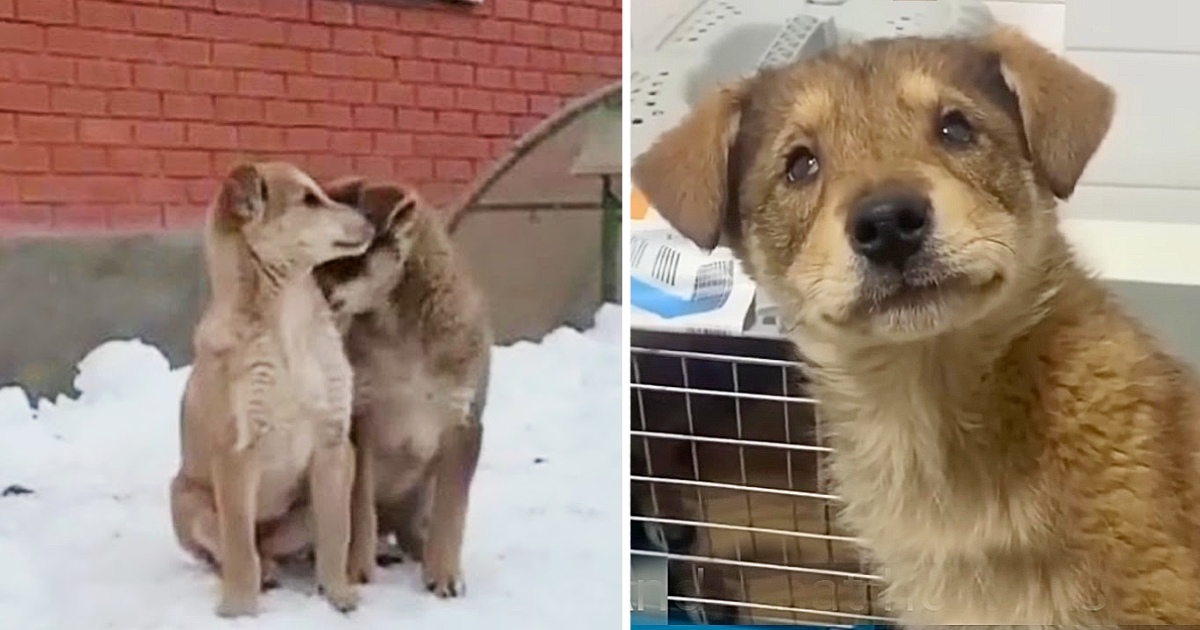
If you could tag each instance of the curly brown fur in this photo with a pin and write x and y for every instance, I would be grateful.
(418, 336)
(266, 410)
(1012, 448)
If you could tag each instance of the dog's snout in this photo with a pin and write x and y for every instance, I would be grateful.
(888, 229)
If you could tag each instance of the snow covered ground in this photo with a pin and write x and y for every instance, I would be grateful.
(92, 546)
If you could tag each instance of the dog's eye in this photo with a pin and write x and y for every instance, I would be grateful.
(955, 130)
(802, 165)
(311, 199)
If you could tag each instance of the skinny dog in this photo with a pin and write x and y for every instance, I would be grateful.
(1012, 447)
(418, 336)
(265, 423)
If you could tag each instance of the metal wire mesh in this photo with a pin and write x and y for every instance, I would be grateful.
(727, 482)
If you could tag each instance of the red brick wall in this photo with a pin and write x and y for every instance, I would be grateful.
(120, 114)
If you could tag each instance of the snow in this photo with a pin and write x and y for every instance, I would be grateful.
(92, 547)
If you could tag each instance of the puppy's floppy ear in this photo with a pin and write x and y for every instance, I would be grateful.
(244, 192)
(346, 190)
(684, 175)
(387, 205)
(1065, 111)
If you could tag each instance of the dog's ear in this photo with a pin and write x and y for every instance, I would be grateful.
(346, 190)
(244, 192)
(1065, 111)
(684, 174)
(387, 205)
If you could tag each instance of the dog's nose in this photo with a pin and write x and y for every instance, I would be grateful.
(889, 229)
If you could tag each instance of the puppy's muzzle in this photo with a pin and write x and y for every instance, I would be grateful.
(887, 228)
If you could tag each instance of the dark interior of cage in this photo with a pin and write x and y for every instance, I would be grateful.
(727, 479)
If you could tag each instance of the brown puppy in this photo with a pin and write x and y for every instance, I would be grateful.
(1010, 445)
(419, 339)
(266, 409)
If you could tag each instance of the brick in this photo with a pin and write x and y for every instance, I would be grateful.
(529, 81)
(24, 97)
(260, 84)
(473, 100)
(582, 17)
(164, 77)
(79, 160)
(135, 103)
(188, 106)
(71, 100)
(373, 166)
(287, 113)
(46, 11)
(307, 139)
(563, 39)
(435, 97)
(285, 9)
(435, 48)
(102, 73)
(393, 143)
(8, 126)
(414, 71)
(185, 217)
(456, 74)
(494, 31)
(578, 63)
(453, 170)
(161, 21)
(106, 15)
(16, 36)
(414, 169)
(22, 218)
(136, 217)
(239, 109)
(351, 142)
(331, 115)
(352, 91)
(79, 218)
(415, 120)
(361, 66)
(332, 12)
(496, 78)
(94, 188)
(547, 13)
(105, 131)
(325, 165)
(455, 122)
(370, 16)
(610, 21)
(253, 30)
(512, 9)
(353, 40)
(45, 129)
(547, 60)
(233, 55)
(187, 163)
(188, 4)
(212, 135)
(601, 43)
(531, 34)
(493, 125)
(374, 117)
(134, 161)
(565, 84)
(23, 158)
(511, 56)
(544, 104)
(185, 51)
(308, 88)
(393, 93)
(161, 190)
(249, 7)
(310, 36)
(510, 102)
(160, 133)
(261, 138)
(211, 81)
(395, 44)
(8, 8)
(44, 68)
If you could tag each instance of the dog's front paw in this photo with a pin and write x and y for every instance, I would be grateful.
(343, 598)
(444, 584)
(238, 605)
(362, 568)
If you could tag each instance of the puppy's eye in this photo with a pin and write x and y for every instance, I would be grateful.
(311, 199)
(802, 165)
(955, 130)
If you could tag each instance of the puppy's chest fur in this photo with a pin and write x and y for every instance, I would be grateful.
(299, 378)
(402, 405)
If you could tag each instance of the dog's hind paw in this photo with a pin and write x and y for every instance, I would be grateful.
(445, 587)
(237, 606)
(342, 598)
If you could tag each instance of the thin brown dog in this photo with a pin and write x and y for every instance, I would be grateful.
(419, 339)
(265, 425)
(1011, 446)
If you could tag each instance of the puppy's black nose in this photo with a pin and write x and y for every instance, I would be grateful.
(887, 229)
